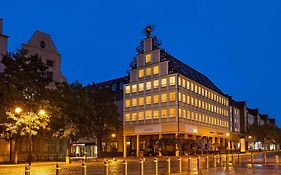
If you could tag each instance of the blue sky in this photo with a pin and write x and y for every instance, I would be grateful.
(237, 44)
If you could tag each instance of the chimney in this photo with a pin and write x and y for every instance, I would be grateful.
(1, 22)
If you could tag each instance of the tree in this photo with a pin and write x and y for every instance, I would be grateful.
(106, 116)
(23, 85)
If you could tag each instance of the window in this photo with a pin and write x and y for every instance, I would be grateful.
(50, 63)
(113, 87)
(148, 71)
(155, 114)
(127, 117)
(196, 102)
(188, 99)
(180, 95)
(192, 101)
(196, 116)
(148, 115)
(127, 103)
(134, 88)
(141, 73)
(184, 113)
(195, 88)
(188, 114)
(183, 83)
(121, 85)
(148, 100)
(134, 102)
(184, 98)
(180, 112)
(163, 98)
(172, 96)
(172, 112)
(192, 87)
(50, 75)
(134, 116)
(148, 58)
(155, 70)
(187, 84)
(156, 99)
(141, 87)
(203, 92)
(141, 101)
(199, 90)
(155, 83)
(127, 89)
(199, 103)
(179, 81)
(163, 82)
(172, 81)
(164, 113)
(141, 115)
(148, 85)
(192, 115)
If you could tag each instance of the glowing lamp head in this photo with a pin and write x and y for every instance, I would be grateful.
(227, 134)
(195, 131)
(113, 135)
(250, 137)
(42, 112)
(18, 110)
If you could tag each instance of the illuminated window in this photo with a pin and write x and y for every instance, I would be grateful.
(184, 113)
(206, 93)
(156, 114)
(199, 90)
(192, 86)
(203, 104)
(212, 96)
(209, 106)
(141, 116)
(163, 98)
(196, 116)
(195, 89)
(184, 98)
(188, 99)
(179, 81)
(156, 99)
(148, 115)
(141, 101)
(203, 92)
(180, 95)
(141, 73)
(148, 71)
(172, 112)
(192, 115)
(127, 103)
(183, 83)
(155, 70)
(155, 83)
(164, 113)
(127, 89)
(163, 82)
(141, 87)
(127, 117)
(148, 100)
(209, 94)
(134, 88)
(196, 102)
(172, 81)
(134, 116)
(172, 96)
(192, 101)
(199, 103)
(148, 85)
(180, 112)
(188, 114)
(148, 58)
(134, 102)
(187, 84)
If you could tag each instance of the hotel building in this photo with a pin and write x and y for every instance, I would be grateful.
(166, 98)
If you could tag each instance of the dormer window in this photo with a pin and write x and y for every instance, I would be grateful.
(50, 63)
(42, 44)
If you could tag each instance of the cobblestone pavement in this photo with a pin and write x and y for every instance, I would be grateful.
(116, 167)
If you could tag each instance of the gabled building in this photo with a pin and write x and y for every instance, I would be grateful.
(166, 98)
(3, 44)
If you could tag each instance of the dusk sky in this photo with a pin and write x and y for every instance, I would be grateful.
(237, 44)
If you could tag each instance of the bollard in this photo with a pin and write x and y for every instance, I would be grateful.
(252, 158)
(156, 165)
(215, 161)
(189, 163)
(239, 159)
(141, 166)
(84, 168)
(168, 165)
(221, 161)
(125, 167)
(105, 167)
(58, 169)
(179, 164)
(276, 159)
(27, 170)
(198, 163)
(264, 158)
(207, 162)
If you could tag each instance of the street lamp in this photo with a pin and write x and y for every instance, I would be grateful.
(250, 137)
(18, 110)
(42, 112)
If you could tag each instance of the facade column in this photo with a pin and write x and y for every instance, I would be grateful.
(124, 146)
(138, 145)
(160, 137)
(213, 140)
(177, 146)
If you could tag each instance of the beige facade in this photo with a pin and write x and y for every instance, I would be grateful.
(158, 102)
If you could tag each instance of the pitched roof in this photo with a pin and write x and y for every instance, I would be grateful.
(189, 72)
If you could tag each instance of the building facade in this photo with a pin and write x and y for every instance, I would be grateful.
(3, 44)
(166, 98)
